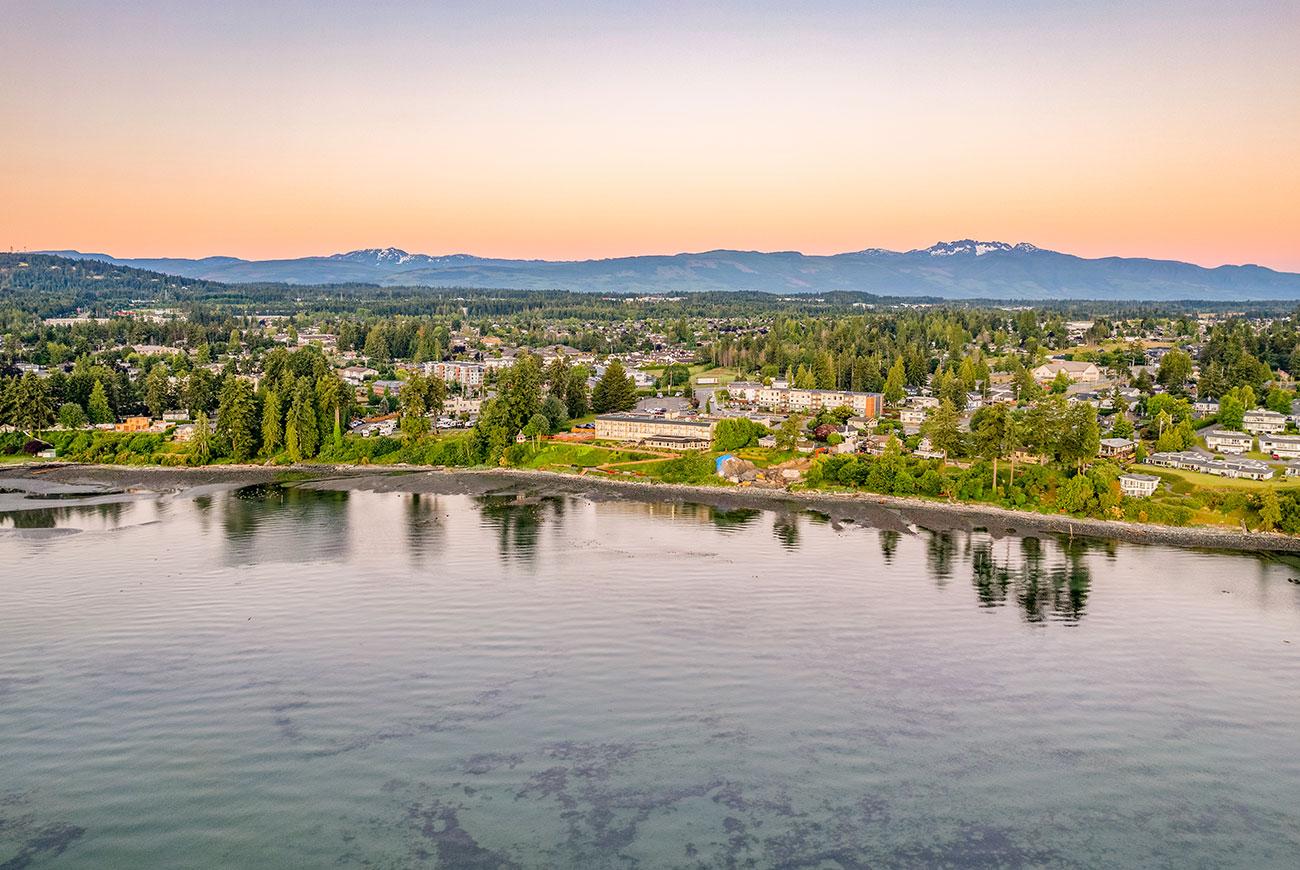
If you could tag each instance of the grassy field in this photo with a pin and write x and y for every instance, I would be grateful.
(724, 375)
(1210, 481)
(558, 455)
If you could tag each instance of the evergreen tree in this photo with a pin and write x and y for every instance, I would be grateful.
(894, 383)
(575, 393)
(304, 400)
(157, 391)
(35, 409)
(615, 391)
(272, 427)
(413, 422)
(237, 419)
(995, 434)
(200, 449)
(97, 408)
(292, 427)
(942, 427)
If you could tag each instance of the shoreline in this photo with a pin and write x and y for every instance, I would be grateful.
(870, 509)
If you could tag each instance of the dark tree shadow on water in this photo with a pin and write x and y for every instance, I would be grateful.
(517, 519)
(888, 544)
(53, 518)
(425, 531)
(277, 523)
(1042, 592)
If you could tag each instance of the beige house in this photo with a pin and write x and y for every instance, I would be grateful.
(1077, 372)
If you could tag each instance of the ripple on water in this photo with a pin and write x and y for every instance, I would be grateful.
(292, 677)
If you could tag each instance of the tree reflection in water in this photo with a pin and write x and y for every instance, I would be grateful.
(940, 549)
(731, 520)
(517, 518)
(50, 518)
(888, 544)
(257, 522)
(425, 530)
(1058, 591)
(785, 526)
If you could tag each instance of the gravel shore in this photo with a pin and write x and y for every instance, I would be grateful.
(887, 512)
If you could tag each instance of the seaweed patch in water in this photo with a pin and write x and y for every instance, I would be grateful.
(439, 823)
(36, 841)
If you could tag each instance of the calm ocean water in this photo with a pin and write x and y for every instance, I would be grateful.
(289, 678)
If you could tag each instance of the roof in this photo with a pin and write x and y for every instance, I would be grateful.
(677, 439)
(1143, 477)
(635, 418)
(1069, 365)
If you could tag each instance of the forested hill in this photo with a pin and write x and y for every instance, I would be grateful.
(46, 286)
(965, 269)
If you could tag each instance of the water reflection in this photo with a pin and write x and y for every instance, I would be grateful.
(1041, 591)
(109, 514)
(940, 550)
(425, 531)
(888, 544)
(305, 524)
(517, 518)
(785, 526)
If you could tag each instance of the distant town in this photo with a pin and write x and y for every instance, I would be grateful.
(1176, 415)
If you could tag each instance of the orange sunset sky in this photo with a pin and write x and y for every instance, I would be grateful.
(572, 130)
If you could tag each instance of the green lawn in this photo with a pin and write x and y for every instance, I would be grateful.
(551, 454)
(1210, 481)
(724, 375)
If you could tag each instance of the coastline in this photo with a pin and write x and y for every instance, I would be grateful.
(894, 513)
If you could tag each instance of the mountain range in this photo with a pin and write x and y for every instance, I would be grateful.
(965, 269)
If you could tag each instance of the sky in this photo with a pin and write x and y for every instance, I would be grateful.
(567, 130)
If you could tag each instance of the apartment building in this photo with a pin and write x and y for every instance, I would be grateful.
(633, 427)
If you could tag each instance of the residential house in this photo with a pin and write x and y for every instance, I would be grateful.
(1227, 441)
(1252, 469)
(1117, 448)
(1138, 485)
(1205, 407)
(1261, 420)
(925, 450)
(1281, 446)
(1078, 372)
(358, 375)
(911, 416)
(134, 424)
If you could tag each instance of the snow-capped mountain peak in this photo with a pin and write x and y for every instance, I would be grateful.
(388, 256)
(969, 247)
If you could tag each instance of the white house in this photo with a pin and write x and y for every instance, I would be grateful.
(1205, 407)
(1139, 485)
(1282, 446)
(1227, 441)
(1262, 420)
